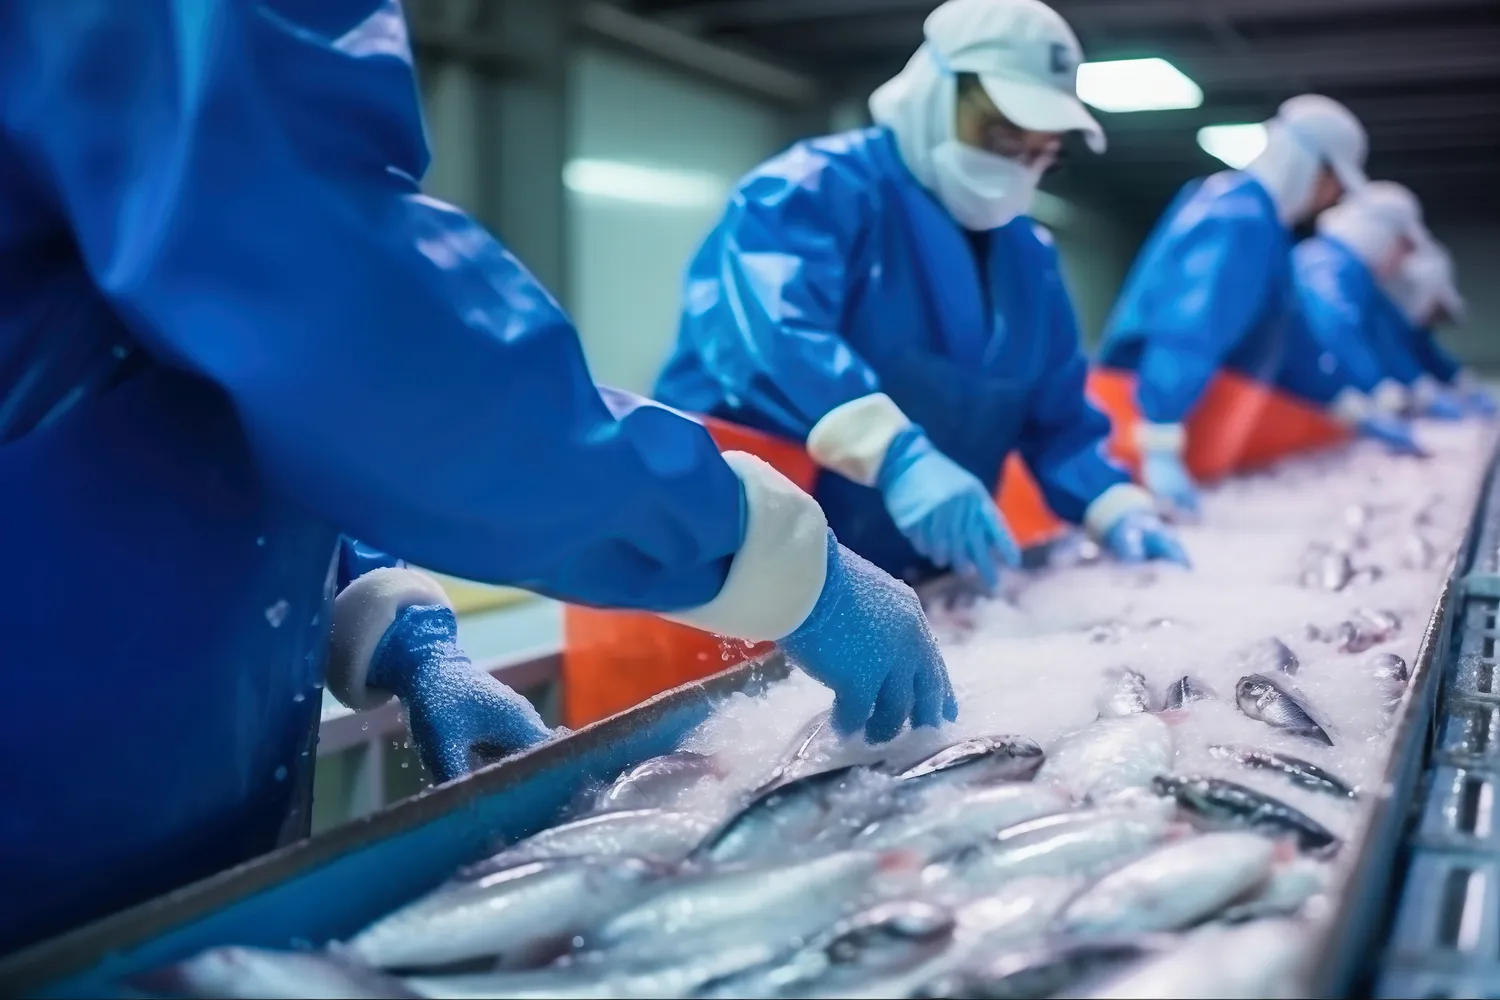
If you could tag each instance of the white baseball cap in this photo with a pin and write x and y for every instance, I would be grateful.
(1331, 131)
(1026, 58)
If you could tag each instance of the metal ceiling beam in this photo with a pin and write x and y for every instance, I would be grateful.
(736, 15)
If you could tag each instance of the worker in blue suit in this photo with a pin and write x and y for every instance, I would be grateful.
(1361, 244)
(233, 330)
(879, 295)
(1212, 287)
(1427, 294)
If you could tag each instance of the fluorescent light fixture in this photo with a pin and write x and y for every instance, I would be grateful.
(1236, 145)
(646, 185)
(1136, 85)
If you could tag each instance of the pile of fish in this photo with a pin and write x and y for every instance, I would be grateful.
(1170, 834)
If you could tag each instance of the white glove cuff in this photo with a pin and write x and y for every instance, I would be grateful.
(1390, 397)
(1350, 406)
(1424, 389)
(1113, 504)
(1159, 438)
(361, 615)
(780, 569)
(852, 439)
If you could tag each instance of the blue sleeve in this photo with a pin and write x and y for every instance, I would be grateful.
(1063, 440)
(1391, 336)
(244, 192)
(765, 294)
(1335, 314)
(1208, 293)
(1435, 359)
(356, 559)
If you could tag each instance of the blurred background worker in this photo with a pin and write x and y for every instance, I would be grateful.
(234, 328)
(1212, 287)
(1426, 292)
(879, 295)
(1361, 245)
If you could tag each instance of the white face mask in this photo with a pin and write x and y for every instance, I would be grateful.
(981, 191)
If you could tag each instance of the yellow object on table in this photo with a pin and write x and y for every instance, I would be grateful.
(470, 598)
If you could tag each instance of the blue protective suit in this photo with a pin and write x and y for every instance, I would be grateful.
(834, 274)
(1435, 359)
(1350, 334)
(1211, 289)
(231, 328)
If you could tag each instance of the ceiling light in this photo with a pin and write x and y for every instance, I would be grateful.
(1236, 145)
(1136, 85)
(667, 187)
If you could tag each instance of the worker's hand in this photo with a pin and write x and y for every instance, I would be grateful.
(1167, 478)
(1444, 405)
(1139, 535)
(394, 634)
(944, 511)
(868, 640)
(1393, 432)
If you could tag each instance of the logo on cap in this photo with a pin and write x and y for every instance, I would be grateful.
(1063, 62)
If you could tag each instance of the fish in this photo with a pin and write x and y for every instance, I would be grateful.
(1354, 637)
(516, 918)
(800, 751)
(658, 781)
(1303, 773)
(1226, 803)
(876, 948)
(1187, 690)
(1382, 624)
(980, 759)
(1041, 970)
(1267, 700)
(1287, 890)
(1127, 694)
(657, 835)
(1367, 575)
(1019, 909)
(1271, 655)
(569, 981)
(233, 973)
(1393, 674)
(1418, 553)
(1109, 755)
(1064, 844)
(1171, 887)
(962, 819)
(759, 913)
(790, 813)
(1330, 571)
(1253, 960)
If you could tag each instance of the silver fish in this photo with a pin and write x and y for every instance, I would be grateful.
(1354, 636)
(800, 752)
(761, 913)
(1041, 970)
(1253, 960)
(1383, 625)
(1271, 655)
(1110, 755)
(1393, 674)
(1301, 772)
(980, 759)
(1187, 690)
(1127, 694)
(878, 947)
(1330, 571)
(790, 813)
(1171, 887)
(966, 818)
(1284, 894)
(658, 781)
(234, 973)
(570, 981)
(1063, 844)
(656, 835)
(519, 917)
(1226, 803)
(1267, 700)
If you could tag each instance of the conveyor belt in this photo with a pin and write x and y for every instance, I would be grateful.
(1444, 937)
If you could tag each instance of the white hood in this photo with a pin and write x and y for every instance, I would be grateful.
(1307, 132)
(1373, 222)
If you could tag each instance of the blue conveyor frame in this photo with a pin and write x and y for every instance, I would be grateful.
(328, 887)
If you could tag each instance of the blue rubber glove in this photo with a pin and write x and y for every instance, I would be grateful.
(456, 712)
(946, 513)
(868, 640)
(1445, 405)
(1139, 535)
(1479, 402)
(1393, 432)
(1167, 478)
